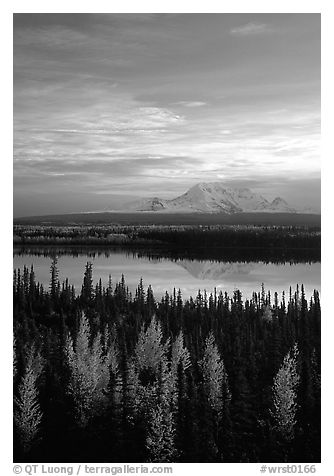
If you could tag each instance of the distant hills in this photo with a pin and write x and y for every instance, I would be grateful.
(169, 219)
(213, 197)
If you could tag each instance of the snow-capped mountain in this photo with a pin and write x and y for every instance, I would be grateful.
(214, 198)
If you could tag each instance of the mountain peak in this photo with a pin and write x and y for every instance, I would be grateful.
(215, 197)
(278, 200)
(281, 205)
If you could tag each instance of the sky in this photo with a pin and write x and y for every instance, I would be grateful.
(111, 107)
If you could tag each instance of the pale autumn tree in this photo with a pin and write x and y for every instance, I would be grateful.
(215, 377)
(89, 373)
(132, 394)
(155, 390)
(150, 366)
(27, 411)
(180, 354)
(150, 350)
(160, 440)
(315, 373)
(285, 395)
(267, 313)
(14, 357)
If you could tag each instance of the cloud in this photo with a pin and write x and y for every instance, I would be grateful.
(52, 37)
(250, 29)
(191, 103)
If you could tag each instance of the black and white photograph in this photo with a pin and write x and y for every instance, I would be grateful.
(167, 238)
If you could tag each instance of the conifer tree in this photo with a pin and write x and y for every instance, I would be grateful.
(214, 375)
(149, 350)
(27, 412)
(54, 277)
(285, 395)
(87, 285)
(14, 357)
(215, 400)
(180, 354)
(267, 313)
(89, 373)
(180, 358)
(155, 391)
(160, 440)
(150, 301)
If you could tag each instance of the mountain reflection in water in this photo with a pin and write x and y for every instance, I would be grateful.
(213, 270)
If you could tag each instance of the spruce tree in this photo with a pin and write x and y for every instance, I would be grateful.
(54, 278)
(87, 285)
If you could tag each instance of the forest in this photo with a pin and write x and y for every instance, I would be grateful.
(105, 375)
(266, 243)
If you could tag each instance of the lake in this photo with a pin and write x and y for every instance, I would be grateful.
(164, 274)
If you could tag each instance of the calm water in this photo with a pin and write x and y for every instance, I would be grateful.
(165, 274)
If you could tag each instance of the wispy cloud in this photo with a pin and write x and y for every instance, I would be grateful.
(191, 103)
(250, 29)
(51, 37)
